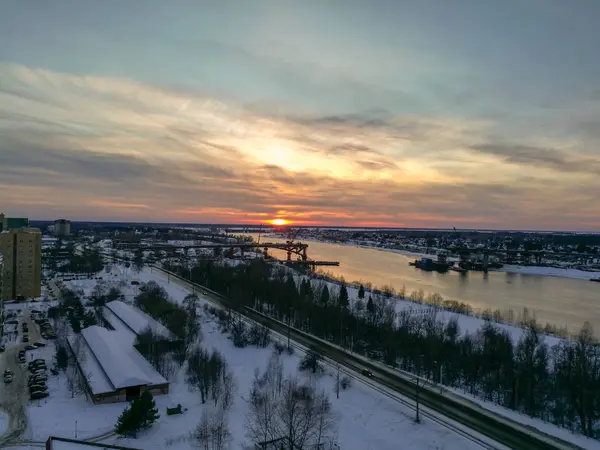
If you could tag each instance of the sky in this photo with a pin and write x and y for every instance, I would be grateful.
(395, 113)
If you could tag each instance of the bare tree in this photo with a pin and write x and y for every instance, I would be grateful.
(204, 373)
(262, 415)
(77, 380)
(229, 388)
(212, 433)
(297, 414)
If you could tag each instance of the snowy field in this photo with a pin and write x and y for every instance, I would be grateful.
(366, 419)
(467, 324)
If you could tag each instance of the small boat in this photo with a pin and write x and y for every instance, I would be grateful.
(458, 269)
(597, 280)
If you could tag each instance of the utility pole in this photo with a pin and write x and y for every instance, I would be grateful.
(417, 419)
(289, 326)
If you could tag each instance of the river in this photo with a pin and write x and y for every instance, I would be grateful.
(560, 301)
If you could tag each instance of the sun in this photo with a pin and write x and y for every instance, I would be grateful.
(279, 222)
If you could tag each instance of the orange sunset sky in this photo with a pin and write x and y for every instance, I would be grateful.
(319, 112)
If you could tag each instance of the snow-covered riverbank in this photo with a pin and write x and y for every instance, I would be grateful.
(524, 270)
(549, 272)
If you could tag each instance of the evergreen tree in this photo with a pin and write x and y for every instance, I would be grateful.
(325, 295)
(75, 324)
(127, 423)
(148, 412)
(62, 357)
(361, 292)
(370, 305)
(343, 297)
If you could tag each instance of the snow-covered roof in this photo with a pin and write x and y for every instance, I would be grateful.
(136, 319)
(72, 444)
(126, 334)
(122, 364)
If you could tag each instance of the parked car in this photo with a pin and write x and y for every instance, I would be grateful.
(30, 347)
(41, 377)
(25, 338)
(39, 344)
(37, 395)
(8, 379)
(38, 375)
(7, 372)
(38, 387)
(2, 348)
(367, 373)
(37, 363)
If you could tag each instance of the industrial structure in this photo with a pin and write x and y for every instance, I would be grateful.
(290, 248)
(62, 227)
(21, 249)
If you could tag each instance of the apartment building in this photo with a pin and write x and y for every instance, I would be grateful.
(21, 250)
(1, 298)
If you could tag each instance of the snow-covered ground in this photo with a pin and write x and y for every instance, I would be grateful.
(523, 419)
(550, 272)
(367, 419)
(3, 422)
(467, 324)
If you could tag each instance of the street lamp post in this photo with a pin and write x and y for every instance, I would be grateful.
(417, 419)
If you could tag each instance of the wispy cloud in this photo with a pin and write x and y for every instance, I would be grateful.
(93, 147)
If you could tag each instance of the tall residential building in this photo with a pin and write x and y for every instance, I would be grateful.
(62, 227)
(1, 298)
(22, 263)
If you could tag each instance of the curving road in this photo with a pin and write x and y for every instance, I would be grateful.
(494, 426)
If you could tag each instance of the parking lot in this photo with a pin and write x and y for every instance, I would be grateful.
(22, 379)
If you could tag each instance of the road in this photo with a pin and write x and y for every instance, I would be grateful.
(496, 427)
(14, 396)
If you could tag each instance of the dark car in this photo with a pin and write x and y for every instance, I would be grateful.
(37, 366)
(38, 387)
(25, 338)
(367, 373)
(39, 344)
(30, 347)
(37, 395)
(2, 348)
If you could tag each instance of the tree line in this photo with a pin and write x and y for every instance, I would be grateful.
(559, 384)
